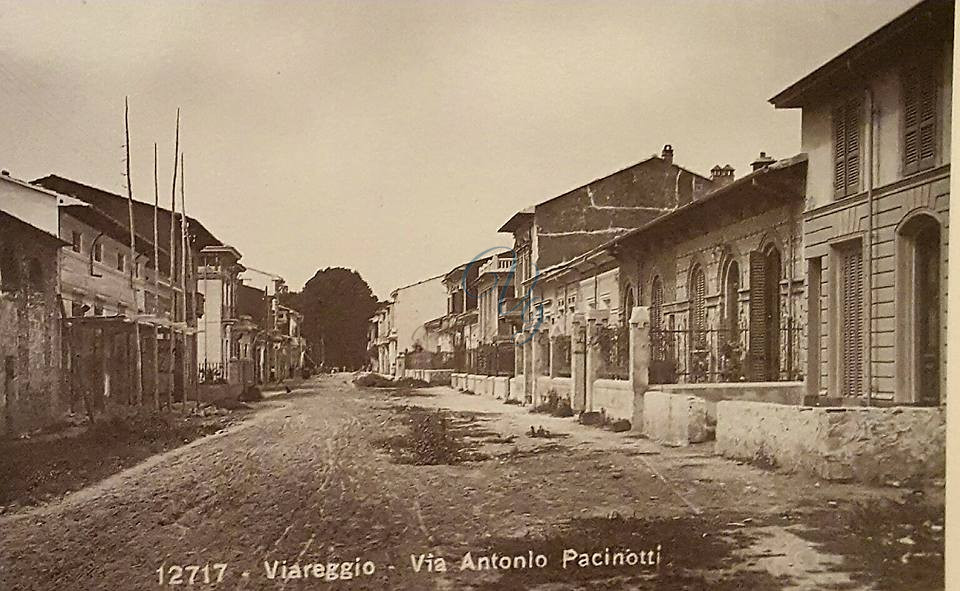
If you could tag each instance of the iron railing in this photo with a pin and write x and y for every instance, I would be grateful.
(722, 355)
(496, 359)
(614, 343)
(210, 372)
(562, 355)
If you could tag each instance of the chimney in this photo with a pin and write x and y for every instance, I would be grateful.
(5, 172)
(762, 161)
(667, 154)
(721, 176)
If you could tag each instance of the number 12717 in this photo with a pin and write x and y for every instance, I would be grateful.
(191, 574)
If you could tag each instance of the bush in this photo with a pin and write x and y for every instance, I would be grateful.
(620, 425)
(251, 394)
(592, 418)
(563, 409)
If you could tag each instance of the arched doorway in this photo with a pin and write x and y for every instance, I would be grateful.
(765, 272)
(919, 321)
(731, 302)
(627, 305)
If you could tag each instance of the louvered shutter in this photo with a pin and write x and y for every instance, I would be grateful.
(852, 128)
(698, 311)
(919, 119)
(851, 322)
(839, 152)
(758, 316)
(656, 304)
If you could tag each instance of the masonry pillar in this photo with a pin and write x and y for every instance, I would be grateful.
(639, 361)
(541, 361)
(553, 356)
(593, 355)
(401, 366)
(528, 369)
(578, 362)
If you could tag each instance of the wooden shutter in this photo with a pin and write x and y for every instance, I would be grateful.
(851, 321)
(758, 316)
(846, 148)
(919, 119)
(839, 154)
(656, 304)
(698, 313)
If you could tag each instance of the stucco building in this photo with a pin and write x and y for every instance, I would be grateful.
(876, 129)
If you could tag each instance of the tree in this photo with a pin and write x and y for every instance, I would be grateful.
(336, 305)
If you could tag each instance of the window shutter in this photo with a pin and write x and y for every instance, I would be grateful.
(852, 129)
(919, 118)
(656, 304)
(698, 318)
(758, 315)
(839, 152)
(851, 322)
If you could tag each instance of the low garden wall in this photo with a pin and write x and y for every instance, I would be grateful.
(562, 387)
(615, 397)
(874, 445)
(676, 419)
(517, 388)
(211, 392)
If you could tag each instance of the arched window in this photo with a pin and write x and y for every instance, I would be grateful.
(731, 297)
(627, 304)
(656, 304)
(698, 311)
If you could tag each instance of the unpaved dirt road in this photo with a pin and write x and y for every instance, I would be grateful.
(315, 484)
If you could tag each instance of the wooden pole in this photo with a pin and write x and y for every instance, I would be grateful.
(156, 280)
(183, 283)
(190, 279)
(173, 292)
(138, 378)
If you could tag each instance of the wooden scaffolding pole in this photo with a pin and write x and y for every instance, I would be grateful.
(173, 292)
(156, 280)
(138, 378)
(184, 357)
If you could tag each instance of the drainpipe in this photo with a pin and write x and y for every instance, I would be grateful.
(869, 307)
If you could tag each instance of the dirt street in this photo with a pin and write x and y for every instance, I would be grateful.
(329, 487)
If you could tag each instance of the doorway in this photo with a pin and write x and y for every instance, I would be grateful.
(920, 300)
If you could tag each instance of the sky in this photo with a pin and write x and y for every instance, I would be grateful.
(396, 137)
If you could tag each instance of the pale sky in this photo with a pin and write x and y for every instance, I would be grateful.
(396, 137)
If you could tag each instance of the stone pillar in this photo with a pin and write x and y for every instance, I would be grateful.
(528, 370)
(541, 360)
(639, 361)
(553, 356)
(578, 363)
(401, 366)
(593, 355)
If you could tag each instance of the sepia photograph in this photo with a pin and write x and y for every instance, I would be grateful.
(475, 295)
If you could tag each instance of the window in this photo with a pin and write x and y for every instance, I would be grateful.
(98, 308)
(698, 311)
(98, 252)
(137, 269)
(846, 148)
(121, 262)
(77, 242)
(850, 326)
(919, 117)
(77, 309)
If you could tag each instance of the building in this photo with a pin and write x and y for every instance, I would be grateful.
(414, 305)
(722, 278)
(218, 280)
(382, 340)
(876, 129)
(32, 392)
(551, 239)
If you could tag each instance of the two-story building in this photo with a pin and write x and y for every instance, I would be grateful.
(876, 129)
(32, 391)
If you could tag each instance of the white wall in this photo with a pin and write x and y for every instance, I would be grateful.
(415, 304)
(32, 205)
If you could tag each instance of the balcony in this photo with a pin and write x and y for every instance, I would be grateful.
(497, 264)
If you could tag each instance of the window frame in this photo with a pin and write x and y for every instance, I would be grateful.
(847, 111)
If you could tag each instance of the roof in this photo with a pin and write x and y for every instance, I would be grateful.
(440, 276)
(601, 254)
(116, 207)
(926, 22)
(517, 219)
(712, 196)
(625, 168)
(41, 234)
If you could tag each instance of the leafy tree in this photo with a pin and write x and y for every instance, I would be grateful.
(336, 305)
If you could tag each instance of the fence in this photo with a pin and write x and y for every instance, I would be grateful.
(496, 359)
(211, 372)
(721, 355)
(561, 355)
(614, 343)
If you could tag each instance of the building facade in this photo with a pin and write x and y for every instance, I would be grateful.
(876, 129)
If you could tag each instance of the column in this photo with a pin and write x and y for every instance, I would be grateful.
(578, 366)
(593, 360)
(639, 361)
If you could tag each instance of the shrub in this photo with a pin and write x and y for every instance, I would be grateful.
(251, 394)
(620, 425)
(563, 409)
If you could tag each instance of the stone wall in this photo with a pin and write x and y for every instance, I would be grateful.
(790, 393)
(676, 419)
(615, 397)
(873, 445)
(562, 387)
